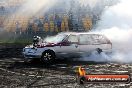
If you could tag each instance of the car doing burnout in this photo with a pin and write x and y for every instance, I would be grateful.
(67, 45)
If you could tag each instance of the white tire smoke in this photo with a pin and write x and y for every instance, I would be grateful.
(116, 24)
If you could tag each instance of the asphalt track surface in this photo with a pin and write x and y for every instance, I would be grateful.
(15, 73)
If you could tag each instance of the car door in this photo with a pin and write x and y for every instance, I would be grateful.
(70, 49)
(86, 44)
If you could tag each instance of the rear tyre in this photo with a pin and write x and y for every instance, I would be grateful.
(99, 51)
(48, 56)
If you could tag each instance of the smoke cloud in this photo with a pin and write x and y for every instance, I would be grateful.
(116, 24)
(33, 7)
(91, 3)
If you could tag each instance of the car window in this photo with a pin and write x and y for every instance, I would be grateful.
(103, 39)
(55, 39)
(92, 39)
(85, 39)
(73, 39)
(99, 39)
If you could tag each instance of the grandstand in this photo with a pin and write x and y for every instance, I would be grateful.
(54, 22)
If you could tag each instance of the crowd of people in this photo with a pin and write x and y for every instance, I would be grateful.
(77, 18)
(49, 23)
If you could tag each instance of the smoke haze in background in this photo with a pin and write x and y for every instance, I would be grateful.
(116, 24)
(91, 3)
(33, 7)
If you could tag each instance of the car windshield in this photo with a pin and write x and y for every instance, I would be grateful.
(55, 39)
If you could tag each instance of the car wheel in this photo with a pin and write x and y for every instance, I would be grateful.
(99, 51)
(48, 56)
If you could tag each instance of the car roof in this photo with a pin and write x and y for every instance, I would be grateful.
(78, 33)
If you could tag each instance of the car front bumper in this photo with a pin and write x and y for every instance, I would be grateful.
(30, 53)
(31, 56)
